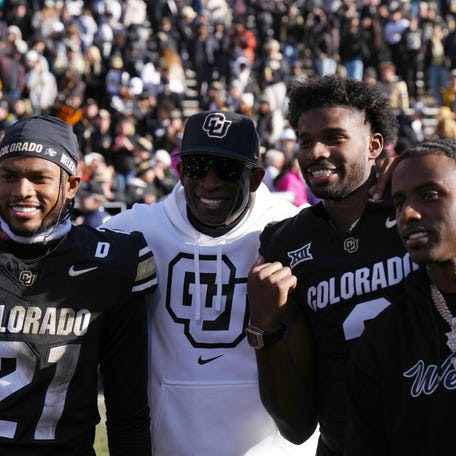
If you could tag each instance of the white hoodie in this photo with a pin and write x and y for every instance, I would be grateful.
(203, 394)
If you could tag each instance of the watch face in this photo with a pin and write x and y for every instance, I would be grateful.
(254, 339)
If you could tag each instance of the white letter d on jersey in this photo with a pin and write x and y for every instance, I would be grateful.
(102, 250)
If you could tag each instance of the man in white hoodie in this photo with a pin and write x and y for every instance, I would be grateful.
(203, 385)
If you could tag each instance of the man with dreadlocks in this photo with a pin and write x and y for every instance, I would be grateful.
(402, 375)
(71, 302)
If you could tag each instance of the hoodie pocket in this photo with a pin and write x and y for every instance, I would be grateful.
(209, 419)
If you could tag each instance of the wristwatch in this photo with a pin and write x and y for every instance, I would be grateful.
(257, 338)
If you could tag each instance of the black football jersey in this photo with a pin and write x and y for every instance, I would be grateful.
(62, 318)
(345, 279)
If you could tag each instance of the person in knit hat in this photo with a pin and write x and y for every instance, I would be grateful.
(72, 304)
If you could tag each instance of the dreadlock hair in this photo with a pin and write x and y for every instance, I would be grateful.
(64, 210)
(439, 146)
(334, 90)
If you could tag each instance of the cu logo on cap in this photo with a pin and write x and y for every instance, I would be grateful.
(216, 125)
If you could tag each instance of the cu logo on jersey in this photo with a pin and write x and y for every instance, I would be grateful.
(212, 316)
(351, 245)
(26, 278)
(216, 126)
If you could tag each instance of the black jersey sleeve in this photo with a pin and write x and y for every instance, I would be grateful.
(277, 237)
(146, 273)
(145, 280)
(269, 239)
(264, 238)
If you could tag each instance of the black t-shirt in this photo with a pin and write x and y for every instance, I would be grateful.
(345, 278)
(76, 310)
(401, 380)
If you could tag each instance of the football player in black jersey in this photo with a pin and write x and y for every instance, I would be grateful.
(326, 272)
(71, 303)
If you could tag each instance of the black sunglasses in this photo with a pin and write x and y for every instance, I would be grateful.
(227, 169)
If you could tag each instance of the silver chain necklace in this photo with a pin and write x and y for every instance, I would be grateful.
(444, 311)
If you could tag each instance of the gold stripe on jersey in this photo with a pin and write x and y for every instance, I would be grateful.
(146, 273)
(146, 269)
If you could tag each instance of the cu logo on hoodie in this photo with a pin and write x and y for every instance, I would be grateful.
(205, 296)
(216, 126)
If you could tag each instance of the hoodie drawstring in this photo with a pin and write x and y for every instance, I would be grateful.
(218, 279)
(197, 281)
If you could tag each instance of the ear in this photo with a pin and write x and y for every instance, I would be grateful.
(256, 176)
(72, 186)
(375, 145)
(179, 170)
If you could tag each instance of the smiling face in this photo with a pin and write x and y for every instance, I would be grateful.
(214, 201)
(30, 193)
(336, 150)
(424, 194)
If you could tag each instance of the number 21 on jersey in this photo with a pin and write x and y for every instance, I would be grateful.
(65, 358)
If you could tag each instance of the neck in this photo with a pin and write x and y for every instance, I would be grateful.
(51, 233)
(349, 209)
(443, 275)
(31, 252)
(214, 231)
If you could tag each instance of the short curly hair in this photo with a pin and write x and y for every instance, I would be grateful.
(333, 90)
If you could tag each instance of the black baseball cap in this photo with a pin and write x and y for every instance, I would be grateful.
(223, 133)
(42, 136)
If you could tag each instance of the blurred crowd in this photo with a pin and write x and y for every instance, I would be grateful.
(126, 74)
